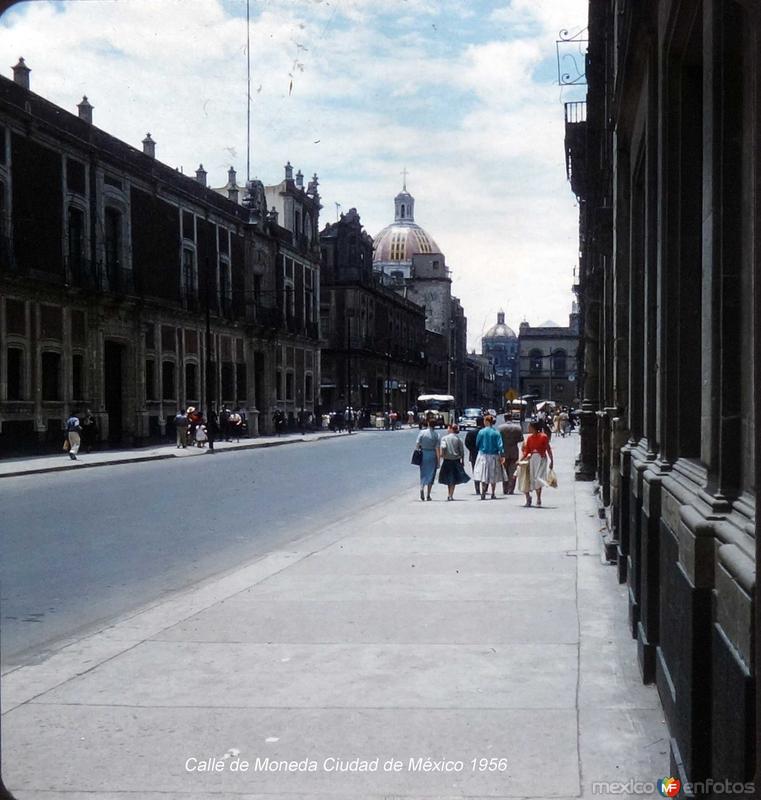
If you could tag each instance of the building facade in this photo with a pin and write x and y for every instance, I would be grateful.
(547, 359)
(664, 161)
(128, 288)
(500, 344)
(374, 339)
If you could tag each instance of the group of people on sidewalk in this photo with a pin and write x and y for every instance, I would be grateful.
(496, 455)
(193, 428)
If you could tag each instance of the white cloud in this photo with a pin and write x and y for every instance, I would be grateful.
(354, 91)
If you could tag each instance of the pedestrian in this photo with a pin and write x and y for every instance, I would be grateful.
(512, 435)
(224, 423)
(89, 430)
(488, 467)
(452, 471)
(472, 448)
(538, 452)
(429, 441)
(73, 435)
(212, 429)
(181, 428)
(235, 426)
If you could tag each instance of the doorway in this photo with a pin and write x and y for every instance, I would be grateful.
(113, 393)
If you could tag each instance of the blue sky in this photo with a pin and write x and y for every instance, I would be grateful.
(464, 94)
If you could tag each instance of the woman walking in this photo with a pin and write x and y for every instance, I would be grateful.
(491, 456)
(453, 455)
(429, 441)
(538, 452)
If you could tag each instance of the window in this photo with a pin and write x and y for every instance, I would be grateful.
(150, 337)
(75, 176)
(167, 380)
(240, 383)
(77, 376)
(290, 303)
(76, 234)
(308, 389)
(51, 376)
(289, 386)
(535, 361)
(191, 382)
(150, 379)
(228, 380)
(225, 285)
(113, 244)
(559, 365)
(189, 272)
(15, 372)
(279, 384)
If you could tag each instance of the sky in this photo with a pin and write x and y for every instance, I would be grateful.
(463, 94)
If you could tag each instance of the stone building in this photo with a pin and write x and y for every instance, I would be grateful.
(501, 344)
(664, 162)
(374, 339)
(407, 258)
(480, 382)
(547, 360)
(131, 289)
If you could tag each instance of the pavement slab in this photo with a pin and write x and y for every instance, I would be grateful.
(445, 631)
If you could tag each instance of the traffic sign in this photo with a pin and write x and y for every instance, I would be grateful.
(511, 395)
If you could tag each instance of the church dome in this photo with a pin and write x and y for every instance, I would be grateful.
(404, 238)
(400, 241)
(500, 330)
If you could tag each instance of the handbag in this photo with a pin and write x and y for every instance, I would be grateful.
(522, 477)
(417, 457)
(66, 445)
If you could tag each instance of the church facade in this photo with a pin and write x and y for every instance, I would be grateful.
(500, 345)
(407, 259)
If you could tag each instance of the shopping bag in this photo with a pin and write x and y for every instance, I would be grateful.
(66, 445)
(552, 479)
(522, 477)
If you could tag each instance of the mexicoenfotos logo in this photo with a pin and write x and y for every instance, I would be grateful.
(669, 787)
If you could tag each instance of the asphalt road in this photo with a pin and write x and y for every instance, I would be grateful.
(80, 548)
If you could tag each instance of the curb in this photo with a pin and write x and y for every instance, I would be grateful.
(162, 457)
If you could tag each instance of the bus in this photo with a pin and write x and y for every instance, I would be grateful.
(440, 405)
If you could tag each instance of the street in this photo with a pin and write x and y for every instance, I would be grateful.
(80, 548)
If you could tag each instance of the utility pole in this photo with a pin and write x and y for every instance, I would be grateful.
(209, 376)
(388, 378)
(348, 367)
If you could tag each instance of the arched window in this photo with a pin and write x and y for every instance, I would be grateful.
(535, 361)
(403, 208)
(559, 362)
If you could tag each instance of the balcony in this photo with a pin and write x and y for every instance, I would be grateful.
(118, 279)
(7, 261)
(268, 317)
(313, 330)
(83, 273)
(576, 145)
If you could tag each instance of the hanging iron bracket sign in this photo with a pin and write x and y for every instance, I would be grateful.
(571, 52)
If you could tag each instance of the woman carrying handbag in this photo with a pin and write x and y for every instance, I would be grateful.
(428, 443)
(538, 453)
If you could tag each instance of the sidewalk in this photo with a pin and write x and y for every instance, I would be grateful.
(58, 462)
(424, 635)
